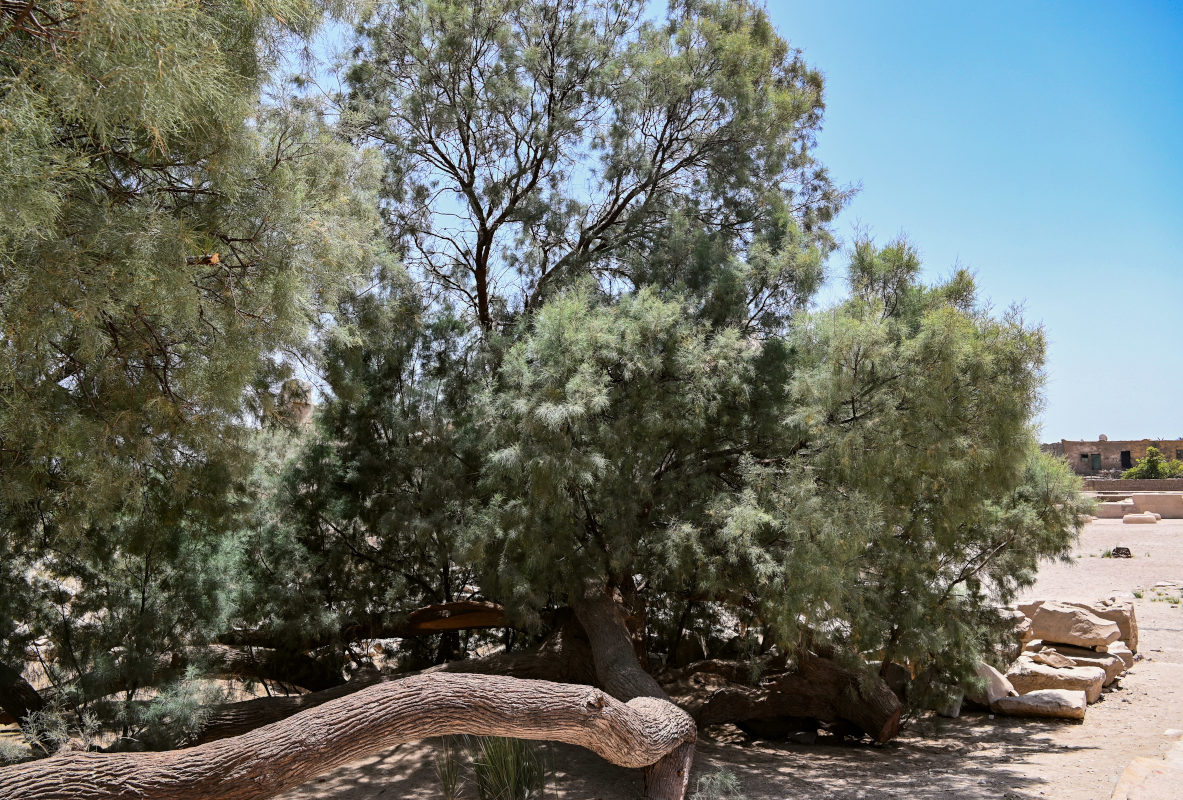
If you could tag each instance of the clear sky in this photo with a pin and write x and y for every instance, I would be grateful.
(1039, 144)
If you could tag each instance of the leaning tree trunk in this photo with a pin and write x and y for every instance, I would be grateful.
(277, 757)
(619, 672)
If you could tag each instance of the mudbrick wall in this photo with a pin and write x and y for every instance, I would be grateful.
(1111, 485)
(1083, 456)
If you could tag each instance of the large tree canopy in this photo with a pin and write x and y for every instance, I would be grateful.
(595, 406)
(530, 144)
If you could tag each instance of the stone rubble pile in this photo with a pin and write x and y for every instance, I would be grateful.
(1072, 653)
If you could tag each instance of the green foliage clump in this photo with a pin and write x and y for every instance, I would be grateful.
(508, 769)
(165, 236)
(449, 768)
(502, 768)
(1154, 465)
(718, 785)
(13, 751)
(531, 144)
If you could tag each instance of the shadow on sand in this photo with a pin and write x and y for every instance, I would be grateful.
(972, 758)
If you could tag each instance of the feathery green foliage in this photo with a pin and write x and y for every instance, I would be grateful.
(600, 364)
(164, 239)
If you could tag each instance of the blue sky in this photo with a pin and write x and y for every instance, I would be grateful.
(1039, 144)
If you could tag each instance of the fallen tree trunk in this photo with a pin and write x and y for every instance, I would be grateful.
(818, 688)
(275, 758)
(621, 675)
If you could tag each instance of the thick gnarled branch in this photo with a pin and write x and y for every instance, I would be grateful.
(275, 758)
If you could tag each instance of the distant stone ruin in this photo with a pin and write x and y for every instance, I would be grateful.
(1105, 457)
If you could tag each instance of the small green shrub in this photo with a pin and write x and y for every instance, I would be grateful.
(13, 751)
(1153, 466)
(508, 769)
(449, 767)
(46, 730)
(718, 785)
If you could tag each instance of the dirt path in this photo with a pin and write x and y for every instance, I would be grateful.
(975, 757)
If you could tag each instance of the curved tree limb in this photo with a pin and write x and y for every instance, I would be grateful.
(270, 760)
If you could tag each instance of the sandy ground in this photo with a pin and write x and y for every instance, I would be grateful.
(975, 756)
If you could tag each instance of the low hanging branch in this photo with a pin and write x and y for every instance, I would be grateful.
(278, 757)
(564, 658)
(458, 615)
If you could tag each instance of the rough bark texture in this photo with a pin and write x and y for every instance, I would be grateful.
(275, 758)
(818, 688)
(621, 675)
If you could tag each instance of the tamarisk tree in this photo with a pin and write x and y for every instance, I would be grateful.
(164, 237)
(612, 228)
(595, 403)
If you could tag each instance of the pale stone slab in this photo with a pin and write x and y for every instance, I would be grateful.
(997, 686)
(1027, 676)
(1112, 665)
(1148, 779)
(1118, 611)
(1165, 504)
(1063, 624)
(1055, 703)
(1114, 510)
(1051, 658)
(1028, 608)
